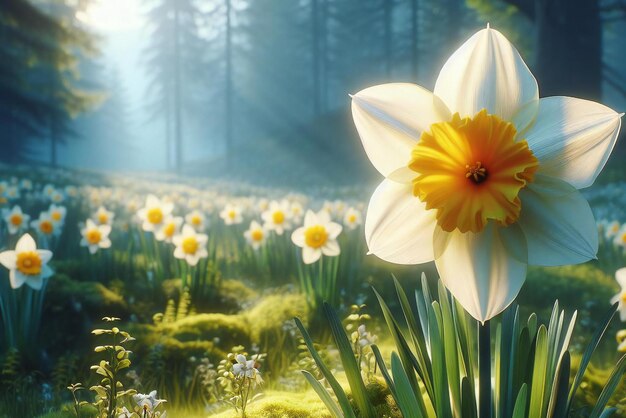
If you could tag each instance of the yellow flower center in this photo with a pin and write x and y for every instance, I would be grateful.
(46, 227)
(615, 228)
(315, 236)
(196, 220)
(471, 170)
(16, 219)
(256, 235)
(352, 218)
(190, 245)
(232, 214)
(169, 229)
(56, 216)
(29, 262)
(624, 238)
(93, 236)
(155, 216)
(278, 217)
(103, 218)
(623, 297)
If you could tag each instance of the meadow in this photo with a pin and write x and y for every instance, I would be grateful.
(203, 301)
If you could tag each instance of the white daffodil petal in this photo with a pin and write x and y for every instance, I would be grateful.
(8, 259)
(331, 248)
(16, 279)
(25, 243)
(390, 118)
(573, 138)
(398, 228)
(479, 271)
(620, 276)
(558, 223)
(311, 255)
(487, 72)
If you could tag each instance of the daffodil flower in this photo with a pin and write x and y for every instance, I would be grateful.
(481, 175)
(231, 214)
(95, 236)
(27, 264)
(196, 220)
(244, 368)
(190, 245)
(148, 402)
(352, 218)
(255, 235)
(15, 219)
(57, 214)
(103, 216)
(169, 229)
(154, 213)
(317, 237)
(44, 225)
(620, 298)
(277, 217)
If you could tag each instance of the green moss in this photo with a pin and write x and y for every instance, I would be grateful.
(273, 311)
(283, 405)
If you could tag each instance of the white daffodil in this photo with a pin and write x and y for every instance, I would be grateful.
(297, 211)
(277, 217)
(16, 219)
(169, 228)
(352, 218)
(95, 236)
(27, 264)
(255, 235)
(481, 175)
(611, 229)
(248, 369)
(620, 276)
(231, 214)
(317, 237)
(57, 214)
(154, 213)
(103, 216)
(619, 239)
(45, 226)
(57, 197)
(190, 245)
(196, 219)
(148, 402)
(12, 192)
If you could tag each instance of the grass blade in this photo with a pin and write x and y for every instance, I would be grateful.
(332, 406)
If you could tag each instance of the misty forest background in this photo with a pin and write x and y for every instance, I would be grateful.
(257, 90)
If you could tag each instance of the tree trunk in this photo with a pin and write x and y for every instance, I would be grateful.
(229, 83)
(178, 129)
(414, 39)
(569, 48)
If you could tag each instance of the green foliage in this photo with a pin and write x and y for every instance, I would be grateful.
(434, 372)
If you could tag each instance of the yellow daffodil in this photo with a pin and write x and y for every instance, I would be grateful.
(255, 235)
(277, 217)
(317, 237)
(27, 264)
(620, 298)
(231, 214)
(154, 213)
(95, 236)
(15, 219)
(190, 246)
(481, 175)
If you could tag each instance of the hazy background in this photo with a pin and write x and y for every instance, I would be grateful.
(257, 90)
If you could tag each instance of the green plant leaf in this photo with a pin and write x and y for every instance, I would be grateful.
(350, 366)
(334, 384)
(332, 406)
(519, 411)
(538, 388)
(611, 384)
(406, 398)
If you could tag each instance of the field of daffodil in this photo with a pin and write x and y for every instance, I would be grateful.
(133, 296)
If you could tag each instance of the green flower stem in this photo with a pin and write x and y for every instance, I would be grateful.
(484, 369)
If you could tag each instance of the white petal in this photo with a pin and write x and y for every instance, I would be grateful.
(390, 118)
(179, 253)
(311, 255)
(8, 259)
(620, 276)
(487, 72)
(297, 237)
(35, 282)
(331, 248)
(45, 255)
(25, 243)
(105, 230)
(558, 223)
(479, 270)
(573, 138)
(398, 228)
(105, 243)
(17, 279)
(333, 229)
